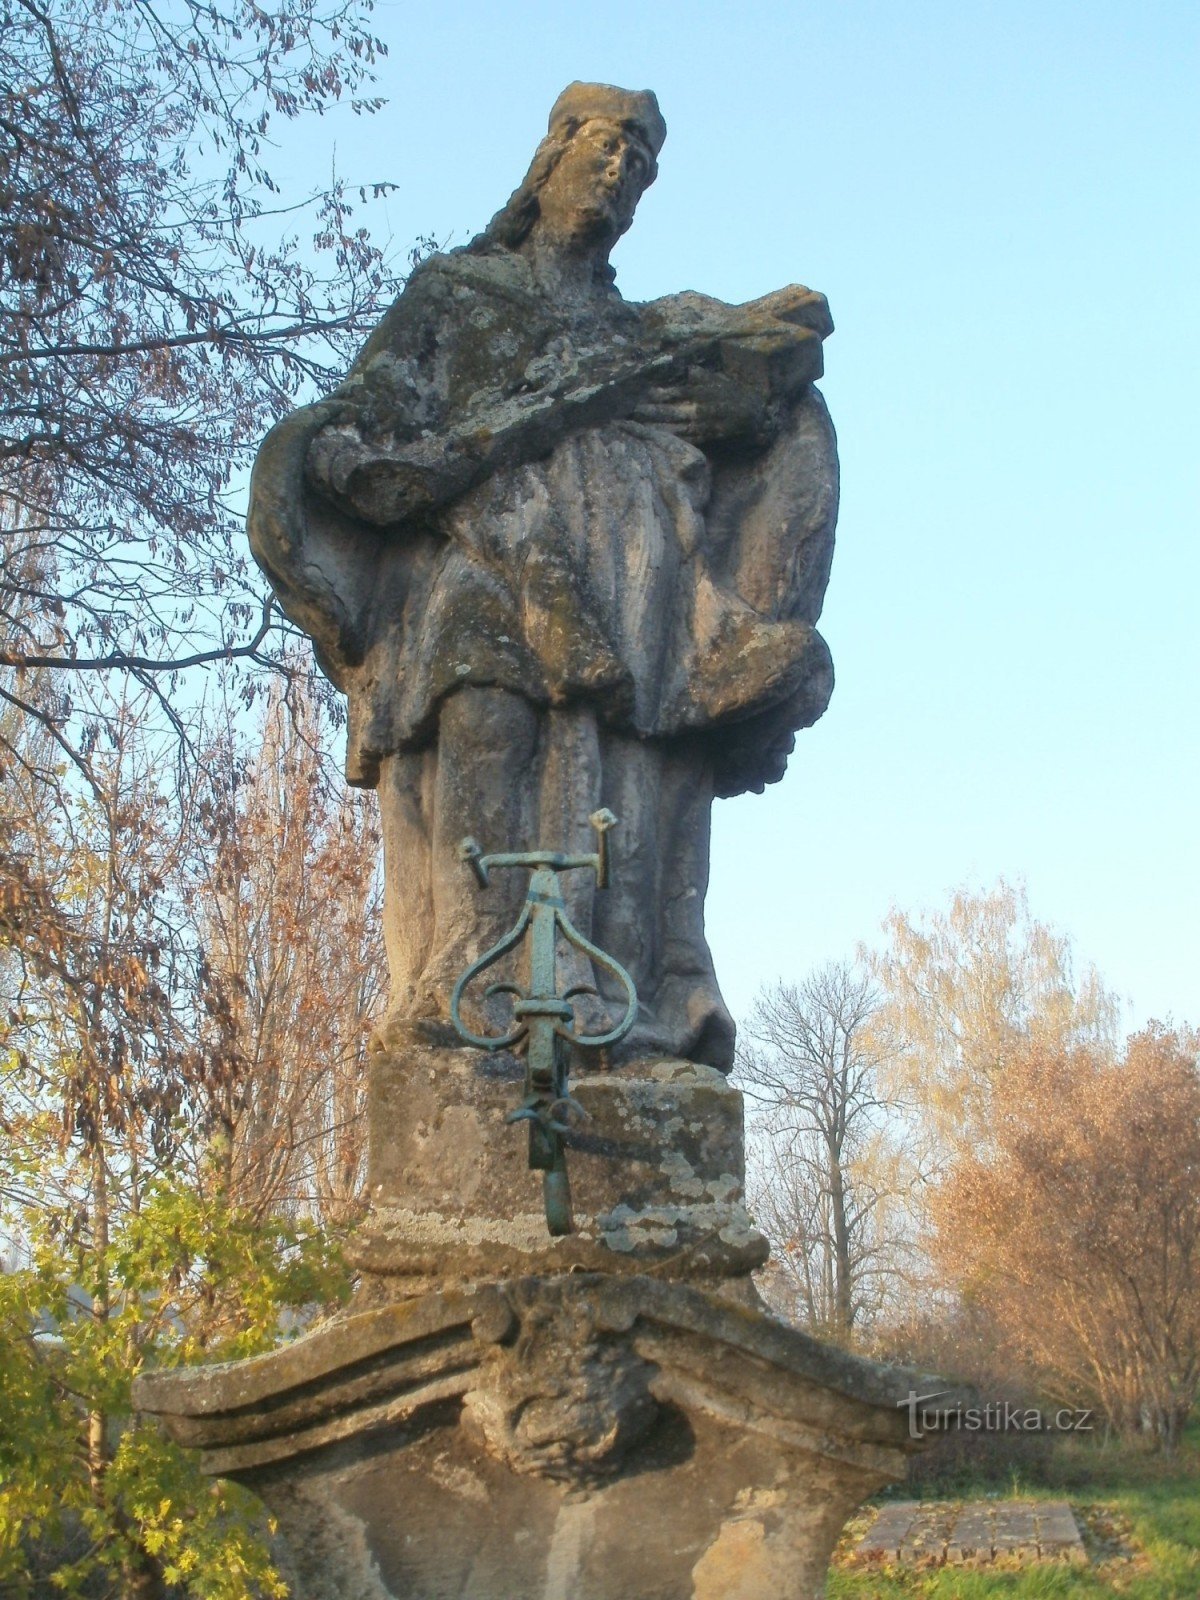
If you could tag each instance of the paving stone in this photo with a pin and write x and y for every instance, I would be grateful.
(1014, 1528)
(887, 1533)
(970, 1538)
(1056, 1521)
(925, 1544)
(923, 1534)
(1058, 1534)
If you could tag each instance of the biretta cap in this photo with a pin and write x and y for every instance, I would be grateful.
(635, 108)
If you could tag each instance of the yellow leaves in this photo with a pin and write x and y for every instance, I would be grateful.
(969, 990)
(184, 1563)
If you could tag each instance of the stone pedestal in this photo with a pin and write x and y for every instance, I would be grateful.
(579, 1437)
(503, 1415)
(656, 1166)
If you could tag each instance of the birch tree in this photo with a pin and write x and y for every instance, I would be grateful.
(966, 992)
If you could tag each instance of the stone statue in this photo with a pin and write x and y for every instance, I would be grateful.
(563, 552)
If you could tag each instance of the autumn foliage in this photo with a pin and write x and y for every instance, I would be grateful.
(1077, 1226)
(961, 1168)
(189, 964)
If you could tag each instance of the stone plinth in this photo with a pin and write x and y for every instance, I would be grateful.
(580, 1437)
(656, 1166)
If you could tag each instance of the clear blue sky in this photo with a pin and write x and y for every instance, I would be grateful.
(1000, 202)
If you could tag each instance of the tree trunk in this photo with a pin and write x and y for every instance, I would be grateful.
(843, 1306)
(97, 1431)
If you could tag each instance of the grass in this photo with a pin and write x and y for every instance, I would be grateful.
(1141, 1520)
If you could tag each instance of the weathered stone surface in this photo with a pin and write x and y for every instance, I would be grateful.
(656, 1167)
(968, 1535)
(563, 552)
(979, 1533)
(586, 1436)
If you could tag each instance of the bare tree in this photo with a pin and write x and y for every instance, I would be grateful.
(828, 1181)
(157, 312)
(287, 913)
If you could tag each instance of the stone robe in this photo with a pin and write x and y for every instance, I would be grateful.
(538, 605)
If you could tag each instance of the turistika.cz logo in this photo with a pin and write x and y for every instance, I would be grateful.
(994, 1416)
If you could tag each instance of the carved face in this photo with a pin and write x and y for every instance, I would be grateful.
(592, 193)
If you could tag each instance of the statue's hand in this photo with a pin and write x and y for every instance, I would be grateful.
(379, 483)
(706, 408)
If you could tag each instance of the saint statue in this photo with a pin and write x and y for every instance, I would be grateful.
(563, 552)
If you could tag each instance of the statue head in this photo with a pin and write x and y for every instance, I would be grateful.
(598, 157)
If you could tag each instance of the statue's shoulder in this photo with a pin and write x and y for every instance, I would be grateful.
(501, 273)
(451, 297)
(468, 282)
